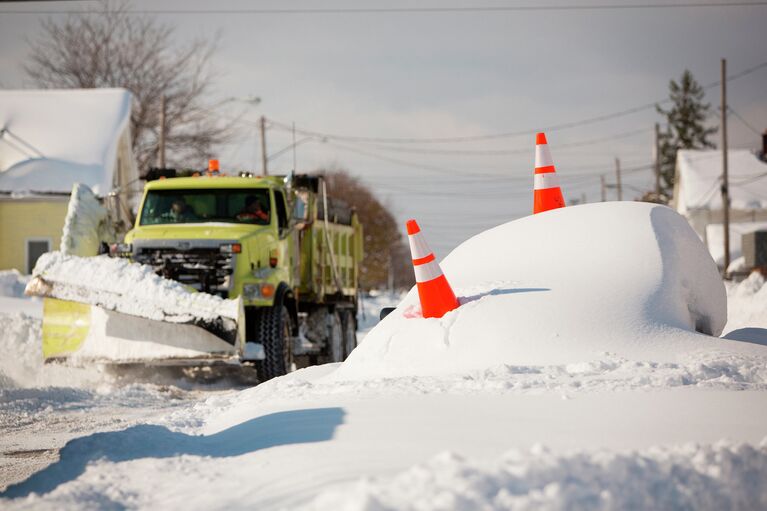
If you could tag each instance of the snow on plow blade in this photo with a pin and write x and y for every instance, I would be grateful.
(111, 310)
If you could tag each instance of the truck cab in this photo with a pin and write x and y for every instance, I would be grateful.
(200, 232)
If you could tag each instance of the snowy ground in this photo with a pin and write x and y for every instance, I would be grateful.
(43, 407)
(594, 425)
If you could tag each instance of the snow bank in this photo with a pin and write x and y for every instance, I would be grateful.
(21, 363)
(309, 386)
(12, 283)
(721, 476)
(628, 279)
(21, 348)
(85, 225)
(131, 288)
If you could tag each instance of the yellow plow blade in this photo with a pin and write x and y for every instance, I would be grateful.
(65, 326)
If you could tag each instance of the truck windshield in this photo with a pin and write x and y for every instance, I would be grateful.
(242, 206)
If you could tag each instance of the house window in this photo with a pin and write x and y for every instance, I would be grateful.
(35, 248)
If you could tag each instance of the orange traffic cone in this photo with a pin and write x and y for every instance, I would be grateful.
(548, 195)
(437, 297)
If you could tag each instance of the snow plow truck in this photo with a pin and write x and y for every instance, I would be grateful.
(276, 250)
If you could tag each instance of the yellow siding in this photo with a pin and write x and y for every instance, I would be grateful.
(21, 219)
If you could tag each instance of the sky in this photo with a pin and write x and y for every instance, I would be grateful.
(455, 74)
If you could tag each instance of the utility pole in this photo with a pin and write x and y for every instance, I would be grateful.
(725, 177)
(618, 179)
(657, 160)
(161, 136)
(294, 149)
(604, 187)
(262, 125)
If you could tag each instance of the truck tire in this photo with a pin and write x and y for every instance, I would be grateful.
(350, 332)
(274, 329)
(335, 338)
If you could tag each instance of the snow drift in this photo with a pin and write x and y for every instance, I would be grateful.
(12, 283)
(576, 284)
(720, 476)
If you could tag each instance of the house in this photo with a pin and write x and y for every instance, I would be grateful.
(698, 196)
(50, 140)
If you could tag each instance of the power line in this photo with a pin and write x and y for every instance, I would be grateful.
(449, 171)
(554, 127)
(741, 119)
(417, 10)
(430, 168)
(510, 134)
(499, 152)
(748, 180)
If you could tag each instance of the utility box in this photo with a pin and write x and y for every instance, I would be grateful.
(754, 246)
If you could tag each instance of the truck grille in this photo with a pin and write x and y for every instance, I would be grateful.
(205, 269)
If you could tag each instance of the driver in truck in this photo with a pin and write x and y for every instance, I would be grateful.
(180, 211)
(253, 211)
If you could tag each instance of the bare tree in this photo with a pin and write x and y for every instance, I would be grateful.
(113, 47)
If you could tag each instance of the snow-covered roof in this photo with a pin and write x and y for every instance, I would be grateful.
(51, 139)
(699, 173)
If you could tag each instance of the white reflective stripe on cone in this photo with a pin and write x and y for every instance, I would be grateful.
(418, 246)
(546, 180)
(427, 272)
(543, 156)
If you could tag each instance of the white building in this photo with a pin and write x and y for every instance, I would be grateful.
(698, 196)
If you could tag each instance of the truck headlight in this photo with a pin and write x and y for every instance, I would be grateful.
(255, 291)
(251, 291)
(120, 250)
(231, 248)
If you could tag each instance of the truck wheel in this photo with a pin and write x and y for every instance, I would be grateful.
(335, 338)
(350, 333)
(274, 330)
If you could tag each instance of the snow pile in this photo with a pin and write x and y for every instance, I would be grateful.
(308, 386)
(720, 476)
(131, 288)
(21, 348)
(12, 283)
(21, 363)
(572, 285)
(85, 225)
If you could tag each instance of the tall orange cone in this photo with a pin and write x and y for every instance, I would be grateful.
(437, 297)
(548, 195)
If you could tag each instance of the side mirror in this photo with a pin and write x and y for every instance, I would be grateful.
(385, 312)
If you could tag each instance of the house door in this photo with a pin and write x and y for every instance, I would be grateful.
(35, 248)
